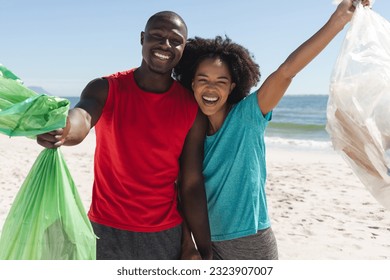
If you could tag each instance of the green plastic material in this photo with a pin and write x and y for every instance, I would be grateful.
(24, 112)
(47, 220)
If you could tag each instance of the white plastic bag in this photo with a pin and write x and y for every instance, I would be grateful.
(358, 109)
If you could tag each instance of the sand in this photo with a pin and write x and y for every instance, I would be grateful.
(319, 209)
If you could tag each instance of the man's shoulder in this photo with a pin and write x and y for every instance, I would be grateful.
(184, 92)
(181, 88)
(121, 74)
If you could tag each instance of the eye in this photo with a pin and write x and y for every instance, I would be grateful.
(202, 80)
(223, 82)
(175, 42)
(156, 37)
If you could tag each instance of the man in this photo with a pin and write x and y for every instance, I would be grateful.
(147, 129)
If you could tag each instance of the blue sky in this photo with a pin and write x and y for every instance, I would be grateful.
(62, 45)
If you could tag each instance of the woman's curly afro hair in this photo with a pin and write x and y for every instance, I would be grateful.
(244, 71)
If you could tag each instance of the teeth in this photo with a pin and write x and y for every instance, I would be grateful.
(209, 98)
(159, 55)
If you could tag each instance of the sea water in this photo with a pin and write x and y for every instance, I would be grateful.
(299, 120)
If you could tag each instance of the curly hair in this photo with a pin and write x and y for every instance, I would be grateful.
(244, 70)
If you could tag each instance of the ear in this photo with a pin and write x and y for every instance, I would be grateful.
(232, 86)
(142, 37)
(192, 85)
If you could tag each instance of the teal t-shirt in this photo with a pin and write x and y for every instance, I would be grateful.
(234, 168)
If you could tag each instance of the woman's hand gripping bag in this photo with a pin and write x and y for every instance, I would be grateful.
(358, 110)
(47, 219)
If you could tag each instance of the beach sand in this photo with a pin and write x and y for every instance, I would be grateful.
(319, 209)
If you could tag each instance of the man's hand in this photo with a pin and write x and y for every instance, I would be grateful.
(52, 139)
(55, 138)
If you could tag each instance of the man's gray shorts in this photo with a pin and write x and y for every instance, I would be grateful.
(116, 244)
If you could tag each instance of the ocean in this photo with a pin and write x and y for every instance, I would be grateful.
(298, 120)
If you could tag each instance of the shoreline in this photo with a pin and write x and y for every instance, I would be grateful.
(319, 209)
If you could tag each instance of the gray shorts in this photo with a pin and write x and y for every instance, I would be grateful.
(260, 246)
(116, 244)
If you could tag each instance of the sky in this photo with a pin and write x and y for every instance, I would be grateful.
(62, 45)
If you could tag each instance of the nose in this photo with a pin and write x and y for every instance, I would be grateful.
(211, 84)
(165, 42)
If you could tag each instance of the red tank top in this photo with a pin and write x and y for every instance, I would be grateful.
(139, 139)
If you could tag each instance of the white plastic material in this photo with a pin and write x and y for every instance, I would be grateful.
(358, 109)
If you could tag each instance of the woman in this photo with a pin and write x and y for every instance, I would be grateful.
(221, 74)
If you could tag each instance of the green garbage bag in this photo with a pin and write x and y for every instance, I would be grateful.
(47, 220)
(24, 112)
